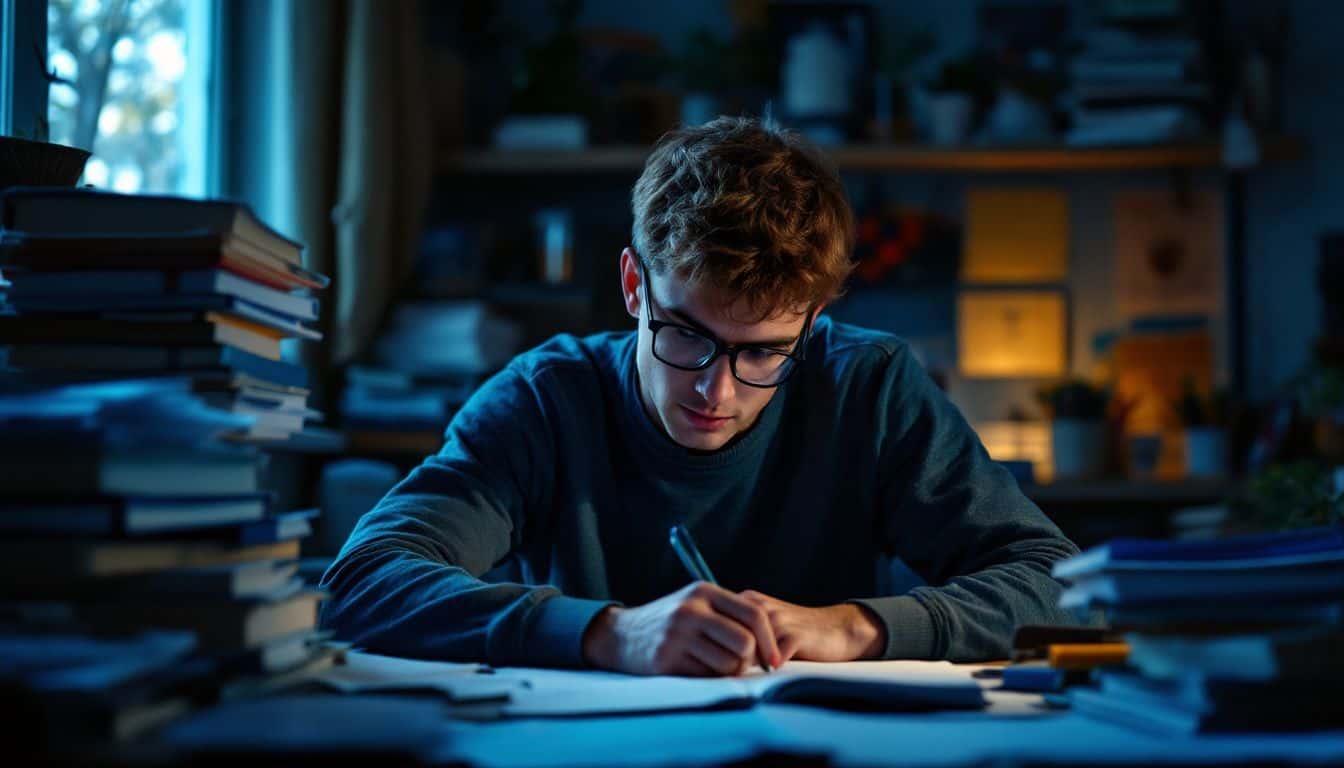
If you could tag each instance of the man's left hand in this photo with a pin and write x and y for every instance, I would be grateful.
(844, 632)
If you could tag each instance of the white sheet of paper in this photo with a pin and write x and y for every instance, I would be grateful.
(367, 673)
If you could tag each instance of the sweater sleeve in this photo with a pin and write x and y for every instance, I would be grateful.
(407, 580)
(959, 520)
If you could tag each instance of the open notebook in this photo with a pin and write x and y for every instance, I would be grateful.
(886, 686)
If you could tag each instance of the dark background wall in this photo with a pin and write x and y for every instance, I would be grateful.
(1288, 206)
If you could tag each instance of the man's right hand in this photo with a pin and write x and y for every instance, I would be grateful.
(701, 630)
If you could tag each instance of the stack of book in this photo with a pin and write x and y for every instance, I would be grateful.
(143, 568)
(1139, 80)
(1243, 633)
(108, 285)
(385, 410)
(427, 363)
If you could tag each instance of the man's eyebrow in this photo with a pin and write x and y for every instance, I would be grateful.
(696, 324)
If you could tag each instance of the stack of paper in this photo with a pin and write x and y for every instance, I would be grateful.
(1224, 634)
(1139, 82)
(430, 360)
(448, 338)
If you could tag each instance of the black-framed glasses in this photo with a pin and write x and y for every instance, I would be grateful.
(693, 349)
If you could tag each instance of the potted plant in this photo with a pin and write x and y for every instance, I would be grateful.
(550, 102)
(1204, 419)
(33, 161)
(1078, 436)
(1321, 396)
(1297, 494)
(898, 53)
(701, 67)
(1021, 110)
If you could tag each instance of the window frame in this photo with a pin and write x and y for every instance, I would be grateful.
(24, 91)
(23, 82)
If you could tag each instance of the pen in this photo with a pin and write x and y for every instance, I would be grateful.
(689, 554)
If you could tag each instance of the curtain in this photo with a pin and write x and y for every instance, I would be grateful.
(330, 140)
(385, 166)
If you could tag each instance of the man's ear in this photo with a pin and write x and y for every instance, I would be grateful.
(631, 278)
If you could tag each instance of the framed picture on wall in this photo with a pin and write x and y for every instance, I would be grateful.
(1012, 333)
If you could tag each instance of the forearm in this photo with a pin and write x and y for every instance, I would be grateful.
(403, 604)
(960, 521)
(971, 617)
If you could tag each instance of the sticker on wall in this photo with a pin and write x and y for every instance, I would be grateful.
(1011, 333)
(1168, 253)
(1016, 235)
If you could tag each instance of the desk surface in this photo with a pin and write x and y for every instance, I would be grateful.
(1015, 728)
(851, 739)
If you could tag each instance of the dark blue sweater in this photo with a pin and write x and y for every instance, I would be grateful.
(555, 463)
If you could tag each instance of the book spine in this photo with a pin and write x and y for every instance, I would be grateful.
(276, 371)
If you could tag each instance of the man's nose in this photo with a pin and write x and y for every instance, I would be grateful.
(716, 383)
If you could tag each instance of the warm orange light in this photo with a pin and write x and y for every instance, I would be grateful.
(1011, 333)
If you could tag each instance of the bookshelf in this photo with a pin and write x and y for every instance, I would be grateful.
(1136, 492)
(1177, 161)
(1093, 511)
(399, 444)
(629, 159)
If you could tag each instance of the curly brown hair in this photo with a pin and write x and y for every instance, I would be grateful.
(747, 207)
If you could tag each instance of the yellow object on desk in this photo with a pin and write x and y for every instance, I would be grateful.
(1087, 655)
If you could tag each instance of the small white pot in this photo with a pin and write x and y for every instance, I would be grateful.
(1079, 448)
(1205, 452)
(950, 116)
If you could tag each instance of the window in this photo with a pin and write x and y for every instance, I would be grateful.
(131, 81)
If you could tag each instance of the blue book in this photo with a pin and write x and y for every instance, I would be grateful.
(66, 212)
(1174, 590)
(281, 527)
(95, 290)
(60, 470)
(135, 359)
(1196, 705)
(1321, 545)
(257, 579)
(130, 516)
(1229, 613)
(73, 663)
(1033, 678)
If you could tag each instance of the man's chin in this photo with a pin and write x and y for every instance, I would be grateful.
(700, 440)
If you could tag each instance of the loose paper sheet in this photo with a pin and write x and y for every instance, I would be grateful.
(367, 673)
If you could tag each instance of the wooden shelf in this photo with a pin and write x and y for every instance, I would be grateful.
(1138, 493)
(393, 442)
(311, 439)
(893, 157)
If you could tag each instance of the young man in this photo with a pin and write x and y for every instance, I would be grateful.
(799, 452)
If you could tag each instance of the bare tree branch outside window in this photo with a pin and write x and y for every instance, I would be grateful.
(116, 72)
